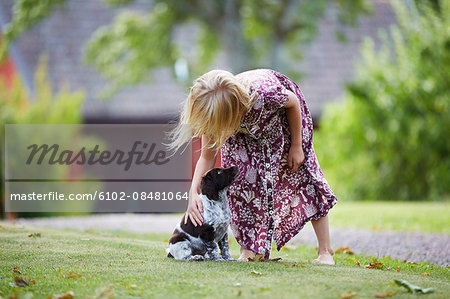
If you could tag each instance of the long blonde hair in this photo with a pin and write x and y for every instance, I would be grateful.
(215, 107)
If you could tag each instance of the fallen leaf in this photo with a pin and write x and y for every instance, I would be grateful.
(256, 258)
(70, 274)
(376, 228)
(19, 282)
(107, 235)
(348, 295)
(68, 295)
(384, 295)
(256, 273)
(293, 265)
(425, 274)
(260, 258)
(355, 261)
(398, 269)
(104, 293)
(375, 266)
(20, 295)
(344, 250)
(239, 293)
(413, 288)
(341, 249)
(34, 235)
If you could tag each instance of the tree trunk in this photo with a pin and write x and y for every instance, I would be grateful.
(237, 51)
(276, 55)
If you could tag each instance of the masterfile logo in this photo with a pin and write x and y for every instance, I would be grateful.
(101, 168)
(54, 155)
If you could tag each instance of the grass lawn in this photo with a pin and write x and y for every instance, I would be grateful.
(135, 265)
(429, 217)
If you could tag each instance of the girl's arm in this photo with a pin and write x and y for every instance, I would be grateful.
(205, 162)
(296, 156)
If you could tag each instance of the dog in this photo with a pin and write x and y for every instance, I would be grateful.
(190, 242)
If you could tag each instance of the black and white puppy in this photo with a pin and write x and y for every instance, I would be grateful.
(190, 242)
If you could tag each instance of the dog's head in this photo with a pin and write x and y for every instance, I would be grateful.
(218, 179)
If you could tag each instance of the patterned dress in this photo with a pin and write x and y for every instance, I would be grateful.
(269, 200)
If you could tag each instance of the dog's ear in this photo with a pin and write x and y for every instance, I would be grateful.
(208, 186)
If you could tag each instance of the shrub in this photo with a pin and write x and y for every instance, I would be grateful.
(389, 138)
(64, 107)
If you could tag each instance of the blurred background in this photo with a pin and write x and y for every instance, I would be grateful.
(375, 74)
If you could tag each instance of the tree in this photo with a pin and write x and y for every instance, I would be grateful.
(253, 33)
(27, 13)
(389, 139)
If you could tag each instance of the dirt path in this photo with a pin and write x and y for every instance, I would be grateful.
(399, 245)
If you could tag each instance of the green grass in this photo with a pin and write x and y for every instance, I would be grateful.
(136, 266)
(429, 217)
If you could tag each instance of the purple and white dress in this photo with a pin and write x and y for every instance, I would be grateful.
(268, 200)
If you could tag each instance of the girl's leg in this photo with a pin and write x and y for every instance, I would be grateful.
(322, 231)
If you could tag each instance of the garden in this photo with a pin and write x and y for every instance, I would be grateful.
(383, 147)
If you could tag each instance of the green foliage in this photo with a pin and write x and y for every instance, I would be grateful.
(62, 108)
(132, 45)
(388, 140)
(349, 10)
(253, 33)
(27, 13)
(117, 2)
(207, 46)
(295, 23)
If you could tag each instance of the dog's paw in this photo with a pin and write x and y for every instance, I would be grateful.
(230, 259)
(197, 258)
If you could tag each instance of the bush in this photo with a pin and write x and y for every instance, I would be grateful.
(389, 138)
(62, 108)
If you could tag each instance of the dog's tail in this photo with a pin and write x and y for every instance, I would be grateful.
(168, 253)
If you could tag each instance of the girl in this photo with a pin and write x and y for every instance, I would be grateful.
(260, 121)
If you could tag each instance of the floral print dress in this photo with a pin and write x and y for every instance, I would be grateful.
(269, 200)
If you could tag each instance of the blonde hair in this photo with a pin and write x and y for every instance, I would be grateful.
(215, 107)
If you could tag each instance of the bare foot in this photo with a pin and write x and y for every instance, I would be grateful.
(245, 255)
(325, 257)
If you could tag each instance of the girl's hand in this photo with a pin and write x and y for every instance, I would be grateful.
(194, 209)
(296, 157)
